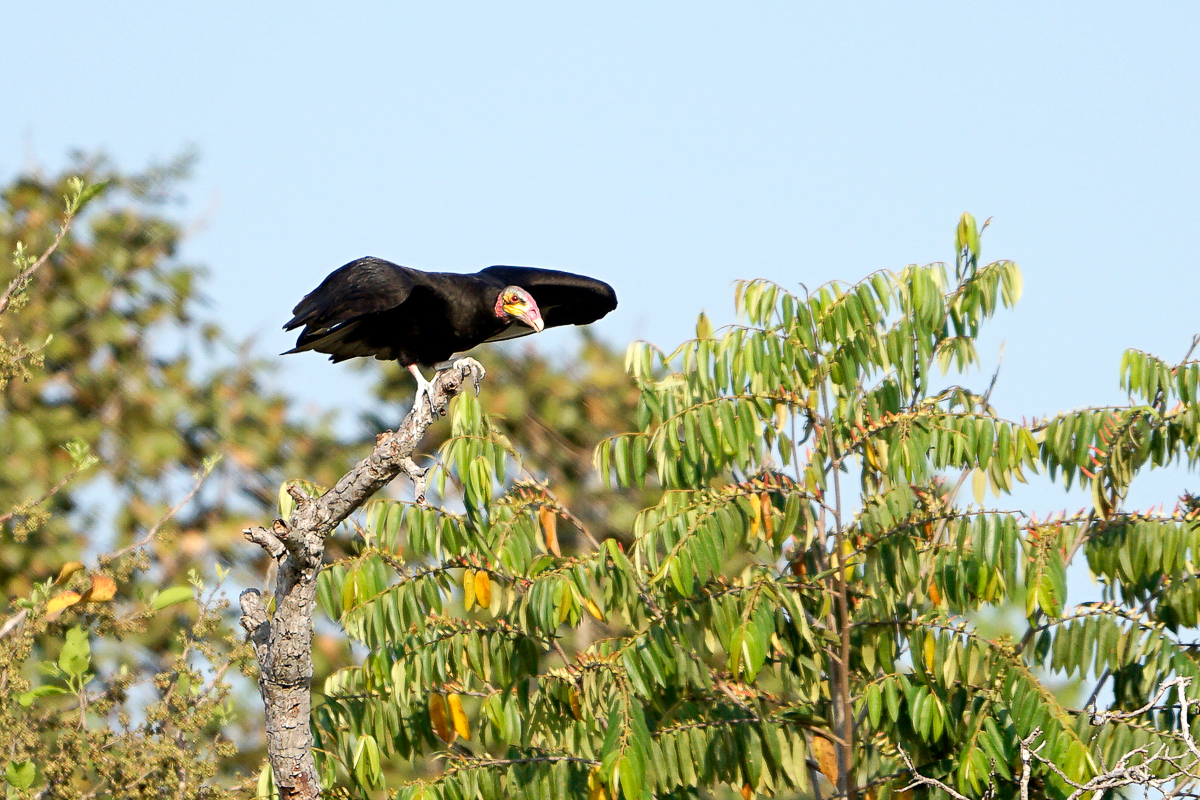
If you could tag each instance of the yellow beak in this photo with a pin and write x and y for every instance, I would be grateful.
(530, 315)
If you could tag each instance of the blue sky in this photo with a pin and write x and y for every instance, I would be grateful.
(668, 148)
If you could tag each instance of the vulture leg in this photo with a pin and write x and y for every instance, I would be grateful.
(424, 388)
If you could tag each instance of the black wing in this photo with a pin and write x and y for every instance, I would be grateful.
(332, 312)
(364, 286)
(563, 298)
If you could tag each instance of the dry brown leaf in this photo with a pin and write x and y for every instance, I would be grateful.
(549, 522)
(102, 590)
(437, 718)
(826, 754)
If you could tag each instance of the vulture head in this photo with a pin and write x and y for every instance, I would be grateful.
(516, 303)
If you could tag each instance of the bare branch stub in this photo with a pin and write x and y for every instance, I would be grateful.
(283, 641)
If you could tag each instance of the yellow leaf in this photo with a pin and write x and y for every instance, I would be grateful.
(596, 790)
(60, 603)
(483, 589)
(826, 755)
(978, 485)
(102, 590)
(437, 718)
(593, 609)
(576, 706)
(549, 521)
(930, 653)
(756, 505)
(768, 522)
(459, 717)
(68, 569)
(468, 585)
(849, 558)
(872, 456)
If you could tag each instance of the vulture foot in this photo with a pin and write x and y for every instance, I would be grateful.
(424, 390)
(472, 368)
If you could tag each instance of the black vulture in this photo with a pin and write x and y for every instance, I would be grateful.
(372, 307)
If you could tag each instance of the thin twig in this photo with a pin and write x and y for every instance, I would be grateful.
(200, 478)
(55, 489)
(24, 276)
(922, 780)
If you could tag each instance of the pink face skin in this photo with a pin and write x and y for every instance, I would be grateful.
(516, 303)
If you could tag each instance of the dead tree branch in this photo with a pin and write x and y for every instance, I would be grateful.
(283, 641)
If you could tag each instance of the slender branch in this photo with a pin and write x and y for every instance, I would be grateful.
(1192, 349)
(12, 622)
(23, 277)
(922, 780)
(842, 702)
(53, 490)
(150, 534)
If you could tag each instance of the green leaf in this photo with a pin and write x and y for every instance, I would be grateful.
(966, 236)
(26, 698)
(20, 775)
(287, 504)
(76, 655)
(170, 597)
(266, 789)
(87, 194)
(366, 762)
(874, 704)
(633, 785)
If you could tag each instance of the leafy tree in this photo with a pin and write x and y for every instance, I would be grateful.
(111, 323)
(105, 718)
(808, 608)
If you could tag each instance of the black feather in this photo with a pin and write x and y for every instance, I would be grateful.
(372, 307)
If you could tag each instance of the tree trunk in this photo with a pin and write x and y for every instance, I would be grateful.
(283, 641)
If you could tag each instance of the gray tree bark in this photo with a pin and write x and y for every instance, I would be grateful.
(283, 641)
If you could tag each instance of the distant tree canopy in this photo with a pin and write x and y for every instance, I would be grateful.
(114, 320)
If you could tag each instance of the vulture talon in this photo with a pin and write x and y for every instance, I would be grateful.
(471, 368)
(372, 307)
